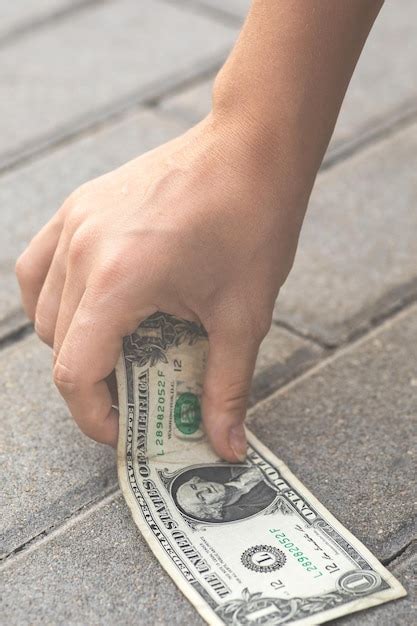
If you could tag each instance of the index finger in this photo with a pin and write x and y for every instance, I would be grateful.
(87, 357)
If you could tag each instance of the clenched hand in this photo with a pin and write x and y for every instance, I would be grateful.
(201, 228)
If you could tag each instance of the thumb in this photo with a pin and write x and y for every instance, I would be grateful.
(227, 382)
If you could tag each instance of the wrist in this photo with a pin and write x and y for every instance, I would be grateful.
(237, 160)
(284, 81)
(270, 152)
(274, 135)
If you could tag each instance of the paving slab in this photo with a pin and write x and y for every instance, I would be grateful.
(49, 468)
(16, 16)
(31, 194)
(98, 571)
(282, 356)
(105, 58)
(348, 432)
(237, 8)
(400, 612)
(383, 87)
(357, 257)
(385, 82)
(13, 326)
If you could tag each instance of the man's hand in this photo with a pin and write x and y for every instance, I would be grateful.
(200, 228)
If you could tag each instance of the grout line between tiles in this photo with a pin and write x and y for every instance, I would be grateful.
(205, 10)
(89, 124)
(332, 356)
(398, 554)
(367, 320)
(382, 130)
(55, 531)
(37, 23)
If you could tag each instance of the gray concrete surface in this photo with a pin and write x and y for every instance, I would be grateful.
(237, 8)
(19, 16)
(348, 432)
(97, 571)
(281, 356)
(50, 470)
(56, 80)
(357, 257)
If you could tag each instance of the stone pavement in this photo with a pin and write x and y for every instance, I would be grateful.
(86, 85)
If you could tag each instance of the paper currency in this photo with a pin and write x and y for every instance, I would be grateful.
(247, 544)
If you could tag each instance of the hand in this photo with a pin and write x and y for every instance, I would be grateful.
(202, 228)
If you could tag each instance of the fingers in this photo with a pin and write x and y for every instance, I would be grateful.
(33, 265)
(49, 300)
(227, 384)
(88, 355)
(63, 310)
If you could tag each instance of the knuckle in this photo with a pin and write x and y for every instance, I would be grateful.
(20, 267)
(68, 206)
(43, 330)
(71, 202)
(75, 216)
(24, 268)
(73, 220)
(90, 424)
(80, 191)
(88, 427)
(65, 379)
(236, 403)
(236, 395)
(110, 271)
(232, 397)
(78, 246)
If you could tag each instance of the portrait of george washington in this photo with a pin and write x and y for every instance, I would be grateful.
(221, 493)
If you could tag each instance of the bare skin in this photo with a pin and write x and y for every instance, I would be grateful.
(204, 227)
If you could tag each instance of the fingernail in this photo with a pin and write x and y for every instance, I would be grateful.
(237, 441)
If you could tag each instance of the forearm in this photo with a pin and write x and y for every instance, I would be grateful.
(282, 87)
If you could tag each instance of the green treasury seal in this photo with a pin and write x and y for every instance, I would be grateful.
(187, 413)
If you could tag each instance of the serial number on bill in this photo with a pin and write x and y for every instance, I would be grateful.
(295, 552)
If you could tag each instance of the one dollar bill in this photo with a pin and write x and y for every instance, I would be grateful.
(247, 544)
